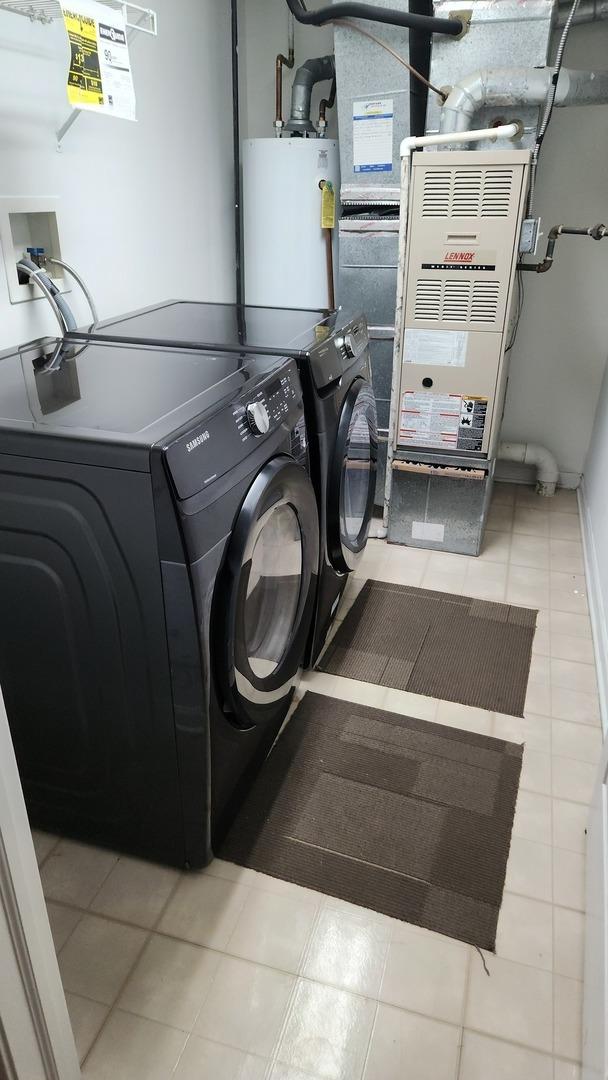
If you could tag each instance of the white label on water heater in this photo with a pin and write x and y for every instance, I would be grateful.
(444, 348)
(373, 135)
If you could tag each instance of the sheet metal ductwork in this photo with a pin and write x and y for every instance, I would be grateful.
(510, 87)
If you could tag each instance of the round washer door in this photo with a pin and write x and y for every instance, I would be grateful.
(266, 593)
(352, 479)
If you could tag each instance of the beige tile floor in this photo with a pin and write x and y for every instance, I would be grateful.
(232, 975)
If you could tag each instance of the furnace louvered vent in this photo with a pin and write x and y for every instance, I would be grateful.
(467, 193)
(428, 299)
(457, 301)
(436, 194)
(484, 302)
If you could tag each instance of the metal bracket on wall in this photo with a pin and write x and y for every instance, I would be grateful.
(48, 11)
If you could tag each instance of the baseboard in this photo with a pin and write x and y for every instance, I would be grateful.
(597, 611)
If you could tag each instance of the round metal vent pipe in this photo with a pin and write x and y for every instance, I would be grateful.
(506, 87)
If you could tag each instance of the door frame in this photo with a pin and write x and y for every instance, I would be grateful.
(36, 1040)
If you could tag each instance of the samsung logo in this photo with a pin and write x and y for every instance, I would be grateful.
(200, 439)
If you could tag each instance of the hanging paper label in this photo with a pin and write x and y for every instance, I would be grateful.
(99, 76)
(328, 206)
(373, 135)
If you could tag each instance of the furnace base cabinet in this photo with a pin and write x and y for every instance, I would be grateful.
(439, 507)
(459, 261)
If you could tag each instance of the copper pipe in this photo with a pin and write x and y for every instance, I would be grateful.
(281, 62)
(327, 103)
(329, 253)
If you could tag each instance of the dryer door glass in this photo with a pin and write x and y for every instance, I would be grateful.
(265, 597)
(353, 477)
(273, 589)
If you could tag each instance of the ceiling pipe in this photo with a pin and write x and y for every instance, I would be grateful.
(347, 10)
(312, 71)
(506, 87)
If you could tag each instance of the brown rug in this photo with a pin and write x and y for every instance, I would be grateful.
(405, 817)
(457, 648)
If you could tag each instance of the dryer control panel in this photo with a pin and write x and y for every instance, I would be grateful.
(220, 441)
(338, 352)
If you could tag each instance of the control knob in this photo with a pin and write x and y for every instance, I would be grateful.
(258, 418)
(345, 345)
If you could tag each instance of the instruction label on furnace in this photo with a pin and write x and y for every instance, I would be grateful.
(444, 348)
(373, 135)
(442, 421)
(99, 77)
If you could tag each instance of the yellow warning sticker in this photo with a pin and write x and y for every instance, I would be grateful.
(84, 76)
(99, 74)
(328, 205)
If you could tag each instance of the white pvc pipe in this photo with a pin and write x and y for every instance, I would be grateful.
(547, 472)
(503, 131)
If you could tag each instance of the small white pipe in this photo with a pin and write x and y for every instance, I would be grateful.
(547, 472)
(503, 131)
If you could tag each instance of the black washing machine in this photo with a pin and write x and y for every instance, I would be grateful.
(332, 351)
(159, 555)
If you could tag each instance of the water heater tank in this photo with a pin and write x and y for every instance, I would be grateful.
(285, 251)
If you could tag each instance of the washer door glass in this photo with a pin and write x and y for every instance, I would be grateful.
(273, 589)
(352, 477)
(266, 594)
(358, 473)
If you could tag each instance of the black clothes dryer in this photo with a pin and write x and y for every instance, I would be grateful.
(158, 574)
(332, 352)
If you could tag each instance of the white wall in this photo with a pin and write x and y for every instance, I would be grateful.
(263, 33)
(560, 353)
(146, 208)
(594, 505)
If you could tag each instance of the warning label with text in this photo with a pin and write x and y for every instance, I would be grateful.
(442, 421)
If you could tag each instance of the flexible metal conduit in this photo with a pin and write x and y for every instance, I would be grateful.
(587, 11)
(504, 87)
(347, 10)
(547, 472)
(319, 69)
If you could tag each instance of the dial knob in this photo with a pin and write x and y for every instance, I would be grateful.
(348, 345)
(258, 418)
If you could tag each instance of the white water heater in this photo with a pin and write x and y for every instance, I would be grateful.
(285, 248)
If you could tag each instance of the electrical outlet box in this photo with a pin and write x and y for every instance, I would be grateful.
(29, 222)
(528, 240)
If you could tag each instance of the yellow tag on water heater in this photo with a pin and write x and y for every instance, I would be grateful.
(328, 205)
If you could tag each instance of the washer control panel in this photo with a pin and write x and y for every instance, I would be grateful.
(257, 417)
(220, 441)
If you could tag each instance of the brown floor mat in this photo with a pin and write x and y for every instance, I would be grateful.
(471, 651)
(405, 817)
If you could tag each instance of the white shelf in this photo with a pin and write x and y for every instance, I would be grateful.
(47, 11)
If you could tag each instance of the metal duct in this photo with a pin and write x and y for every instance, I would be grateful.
(505, 87)
(587, 11)
(312, 71)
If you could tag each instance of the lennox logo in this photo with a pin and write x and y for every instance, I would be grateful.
(200, 439)
(459, 256)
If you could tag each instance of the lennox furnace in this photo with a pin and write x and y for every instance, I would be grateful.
(453, 328)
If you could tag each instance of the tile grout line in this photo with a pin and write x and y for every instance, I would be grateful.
(123, 985)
